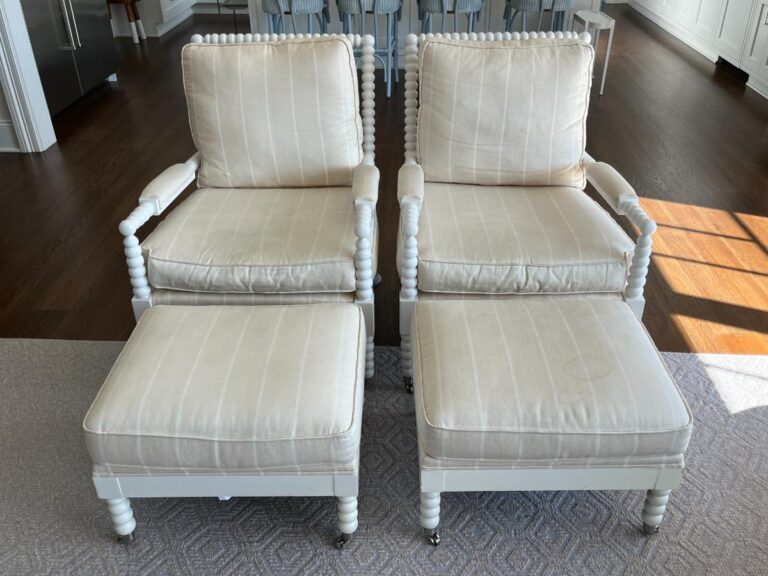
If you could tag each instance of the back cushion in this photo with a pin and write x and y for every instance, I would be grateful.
(272, 115)
(504, 113)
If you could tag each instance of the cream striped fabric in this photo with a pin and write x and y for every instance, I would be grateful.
(245, 241)
(506, 113)
(274, 114)
(229, 389)
(179, 297)
(523, 240)
(541, 382)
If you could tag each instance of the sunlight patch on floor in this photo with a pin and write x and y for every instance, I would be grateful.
(741, 386)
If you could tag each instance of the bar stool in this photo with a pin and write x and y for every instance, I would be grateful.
(427, 8)
(276, 11)
(599, 21)
(356, 10)
(134, 20)
(558, 8)
(233, 5)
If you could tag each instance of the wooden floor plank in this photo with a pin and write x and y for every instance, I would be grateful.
(689, 136)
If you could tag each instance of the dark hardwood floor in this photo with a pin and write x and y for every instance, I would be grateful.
(689, 136)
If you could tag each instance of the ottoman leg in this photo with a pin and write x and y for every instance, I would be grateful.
(405, 353)
(653, 511)
(430, 516)
(346, 508)
(122, 518)
(369, 357)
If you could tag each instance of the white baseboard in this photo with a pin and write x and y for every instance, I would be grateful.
(676, 31)
(758, 85)
(8, 140)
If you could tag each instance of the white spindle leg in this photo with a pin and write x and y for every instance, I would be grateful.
(122, 518)
(641, 260)
(653, 510)
(142, 294)
(430, 516)
(346, 508)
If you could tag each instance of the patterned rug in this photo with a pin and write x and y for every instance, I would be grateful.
(52, 523)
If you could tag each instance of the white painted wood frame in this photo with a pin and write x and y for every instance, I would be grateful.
(20, 82)
(365, 210)
(623, 202)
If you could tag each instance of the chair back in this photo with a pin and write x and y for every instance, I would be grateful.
(503, 112)
(275, 114)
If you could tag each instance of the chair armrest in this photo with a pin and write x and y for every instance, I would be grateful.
(365, 183)
(166, 187)
(611, 185)
(410, 183)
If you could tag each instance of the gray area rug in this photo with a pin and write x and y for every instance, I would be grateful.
(52, 523)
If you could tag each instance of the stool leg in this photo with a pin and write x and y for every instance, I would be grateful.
(389, 59)
(607, 58)
(430, 516)
(653, 510)
(132, 23)
(346, 508)
(122, 518)
(137, 19)
(396, 49)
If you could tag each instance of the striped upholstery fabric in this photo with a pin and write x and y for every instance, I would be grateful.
(180, 297)
(229, 389)
(275, 114)
(293, 6)
(292, 240)
(523, 240)
(528, 382)
(460, 6)
(372, 6)
(504, 113)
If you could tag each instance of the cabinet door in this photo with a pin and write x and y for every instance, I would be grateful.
(755, 59)
(699, 17)
(731, 29)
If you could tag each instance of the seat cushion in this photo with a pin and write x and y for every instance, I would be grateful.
(515, 240)
(274, 114)
(556, 382)
(504, 113)
(256, 241)
(233, 389)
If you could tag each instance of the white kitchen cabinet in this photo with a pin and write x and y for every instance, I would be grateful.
(754, 58)
(731, 30)
(699, 16)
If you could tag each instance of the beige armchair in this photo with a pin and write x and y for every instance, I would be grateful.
(492, 191)
(285, 210)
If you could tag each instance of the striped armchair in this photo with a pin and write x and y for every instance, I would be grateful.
(285, 205)
(492, 190)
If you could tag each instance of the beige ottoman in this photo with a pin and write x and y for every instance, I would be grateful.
(233, 401)
(556, 394)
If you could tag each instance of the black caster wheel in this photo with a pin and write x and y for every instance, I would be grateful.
(409, 385)
(341, 540)
(433, 537)
(650, 530)
(126, 538)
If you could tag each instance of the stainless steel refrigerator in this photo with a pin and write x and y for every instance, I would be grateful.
(73, 45)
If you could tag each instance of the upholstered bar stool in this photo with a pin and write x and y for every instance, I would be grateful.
(428, 8)
(543, 394)
(276, 11)
(386, 52)
(134, 19)
(558, 10)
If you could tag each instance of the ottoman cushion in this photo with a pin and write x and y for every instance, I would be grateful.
(556, 382)
(228, 389)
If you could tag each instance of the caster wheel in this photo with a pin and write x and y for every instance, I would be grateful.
(341, 540)
(409, 385)
(433, 537)
(126, 539)
(650, 530)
